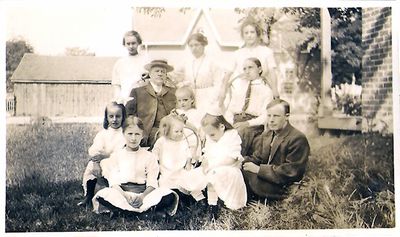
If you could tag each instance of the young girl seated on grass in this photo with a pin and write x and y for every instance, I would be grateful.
(174, 155)
(221, 163)
(132, 176)
(105, 142)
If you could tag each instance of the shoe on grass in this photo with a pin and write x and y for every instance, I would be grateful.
(213, 212)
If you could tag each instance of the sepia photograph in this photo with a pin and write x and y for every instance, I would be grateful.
(187, 118)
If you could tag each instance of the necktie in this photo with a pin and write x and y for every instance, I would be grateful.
(270, 147)
(247, 99)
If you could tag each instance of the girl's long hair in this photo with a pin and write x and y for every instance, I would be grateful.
(120, 106)
(215, 121)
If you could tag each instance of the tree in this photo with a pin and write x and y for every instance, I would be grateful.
(346, 45)
(301, 28)
(15, 50)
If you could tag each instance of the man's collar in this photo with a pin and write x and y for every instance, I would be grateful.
(156, 88)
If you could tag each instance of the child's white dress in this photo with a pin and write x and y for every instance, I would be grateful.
(138, 167)
(105, 142)
(223, 172)
(194, 119)
(172, 157)
(194, 116)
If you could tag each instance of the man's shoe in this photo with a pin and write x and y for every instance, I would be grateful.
(86, 202)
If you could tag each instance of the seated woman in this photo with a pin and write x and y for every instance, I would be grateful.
(249, 95)
(132, 176)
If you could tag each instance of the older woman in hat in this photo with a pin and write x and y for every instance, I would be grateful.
(200, 72)
(153, 101)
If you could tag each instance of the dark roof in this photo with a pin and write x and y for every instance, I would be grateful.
(39, 68)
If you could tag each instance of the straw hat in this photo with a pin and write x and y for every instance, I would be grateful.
(159, 63)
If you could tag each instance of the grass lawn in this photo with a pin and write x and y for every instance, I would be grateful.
(349, 184)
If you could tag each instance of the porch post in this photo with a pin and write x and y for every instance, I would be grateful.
(326, 79)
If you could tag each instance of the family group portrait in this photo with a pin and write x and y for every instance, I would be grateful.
(200, 118)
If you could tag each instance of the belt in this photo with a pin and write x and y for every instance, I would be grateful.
(133, 187)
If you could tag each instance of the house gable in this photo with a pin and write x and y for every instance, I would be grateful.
(177, 26)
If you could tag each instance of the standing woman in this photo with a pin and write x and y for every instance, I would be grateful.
(127, 71)
(201, 73)
(254, 47)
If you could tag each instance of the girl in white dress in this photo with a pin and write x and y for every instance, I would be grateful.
(253, 47)
(127, 71)
(185, 105)
(105, 142)
(221, 163)
(175, 156)
(132, 175)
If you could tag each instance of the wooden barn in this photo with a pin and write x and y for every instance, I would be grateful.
(62, 85)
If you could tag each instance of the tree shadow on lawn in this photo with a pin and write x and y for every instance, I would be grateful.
(37, 205)
(349, 184)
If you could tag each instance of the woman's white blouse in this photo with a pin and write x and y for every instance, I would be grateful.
(127, 73)
(263, 53)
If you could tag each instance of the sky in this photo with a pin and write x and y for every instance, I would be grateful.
(50, 28)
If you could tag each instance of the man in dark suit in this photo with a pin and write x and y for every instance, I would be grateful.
(280, 155)
(153, 101)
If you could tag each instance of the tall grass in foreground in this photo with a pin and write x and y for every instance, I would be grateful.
(349, 184)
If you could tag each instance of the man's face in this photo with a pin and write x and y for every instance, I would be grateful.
(277, 118)
(158, 75)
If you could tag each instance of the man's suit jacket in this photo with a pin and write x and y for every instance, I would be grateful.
(145, 101)
(281, 163)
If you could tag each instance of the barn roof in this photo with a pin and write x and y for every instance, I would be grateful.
(176, 26)
(67, 69)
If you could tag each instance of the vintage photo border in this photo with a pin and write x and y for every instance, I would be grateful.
(216, 4)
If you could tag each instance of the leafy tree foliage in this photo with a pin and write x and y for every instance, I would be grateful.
(15, 50)
(301, 30)
(346, 45)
